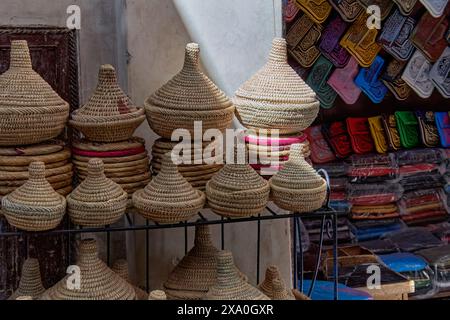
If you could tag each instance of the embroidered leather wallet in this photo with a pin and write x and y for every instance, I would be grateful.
(406, 6)
(337, 136)
(317, 10)
(317, 80)
(417, 75)
(393, 81)
(435, 7)
(392, 134)
(378, 134)
(320, 150)
(440, 74)
(329, 44)
(342, 80)
(368, 81)
(359, 132)
(428, 130)
(408, 128)
(290, 11)
(443, 125)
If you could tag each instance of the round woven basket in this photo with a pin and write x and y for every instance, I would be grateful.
(190, 96)
(109, 115)
(97, 201)
(229, 285)
(169, 198)
(43, 148)
(276, 97)
(35, 206)
(157, 295)
(97, 281)
(130, 144)
(297, 186)
(30, 110)
(30, 284)
(273, 285)
(121, 268)
(24, 160)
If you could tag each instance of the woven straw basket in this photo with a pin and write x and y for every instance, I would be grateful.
(30, 284)
(109, 115)
(190, 96)
(168, 198)
(98, 282)
(229, 285)
(121, 268)
(276, 97)
(97, 201)
(157, 295)
(35, 206)
(273, 285)
(298, 187)
(30, 110)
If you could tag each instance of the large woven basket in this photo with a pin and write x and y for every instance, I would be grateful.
(168, 198)
(30, 284)
(190, 96)
(273, 285)
(30, 110)
(35, 206)
(97, 281)
(97, 201)
(298, 187)
(109, 115)
(229, 285)
(276, 97)
(121, 268)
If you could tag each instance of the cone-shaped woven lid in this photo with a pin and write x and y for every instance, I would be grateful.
(229, 285)
(297, 173)
(30, 281)
(277, 82)
(97, 281)
(97, 187)
(273, 285)
(108, 100)
(190, 90)
(21, 86)
(120, 267)
(157, 295)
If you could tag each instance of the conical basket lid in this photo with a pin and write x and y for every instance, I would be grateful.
(273, 285)
(237, 177)
(108, 101)
(97, 281)
(229, 285)
(297, 173)
(97, 187)
(30, 282)
(190, 90)
(120, 267)
(157, 295)
(22, 87)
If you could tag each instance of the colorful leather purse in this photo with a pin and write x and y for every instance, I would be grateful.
(435, 7)
(392, 134)
(342, 80)
(302, 39)
(443, 125)
(387, 211)
(408, 127)
(393, 81)
(290, 11)
(349, 10)
(395, 36)
(337, 136)
(329, 44)
(384, 5)
(429, 35)
(440, 74)
(406, 6)
(320, 150)
(417, 75)
(428, 130)
(360, 41)
(317, 10)
(317, 80)
(378, 134)
(368, 81)
(359, 132)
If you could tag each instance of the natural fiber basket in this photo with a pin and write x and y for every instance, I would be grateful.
(97, 281)
(276, 97)
(157, 295)
(109, 115)
(35, 206)
(273, 285)
(97, 201)
(297, 186)
(121, 268)
(30, 284)
(30, 110)
(229, 285)
(169, 198)
(190, 96)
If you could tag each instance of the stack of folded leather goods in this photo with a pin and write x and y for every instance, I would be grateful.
(313, 227)
(439, 260)
(412, 239)
(372, 169)
(423, 206)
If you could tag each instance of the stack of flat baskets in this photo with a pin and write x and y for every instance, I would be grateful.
(30, 284)
(298, 187)
(109, 115)
(97, 201)
(273, 285)
(30, 110)
(97, 282)
(35, 206)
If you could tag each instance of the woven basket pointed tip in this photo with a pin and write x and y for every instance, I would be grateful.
(30, 284)
(273, 285)
(157, 295)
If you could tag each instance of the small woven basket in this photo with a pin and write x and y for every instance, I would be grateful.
(30, 284)
(97, 201)
(109, 115)
(190, 96)
(157, 295)
(168, 198)
(97, 281)
(121, 268)
(273, 285)
(297, 186)
(35, 206)
(276, 97)
(30, 110)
